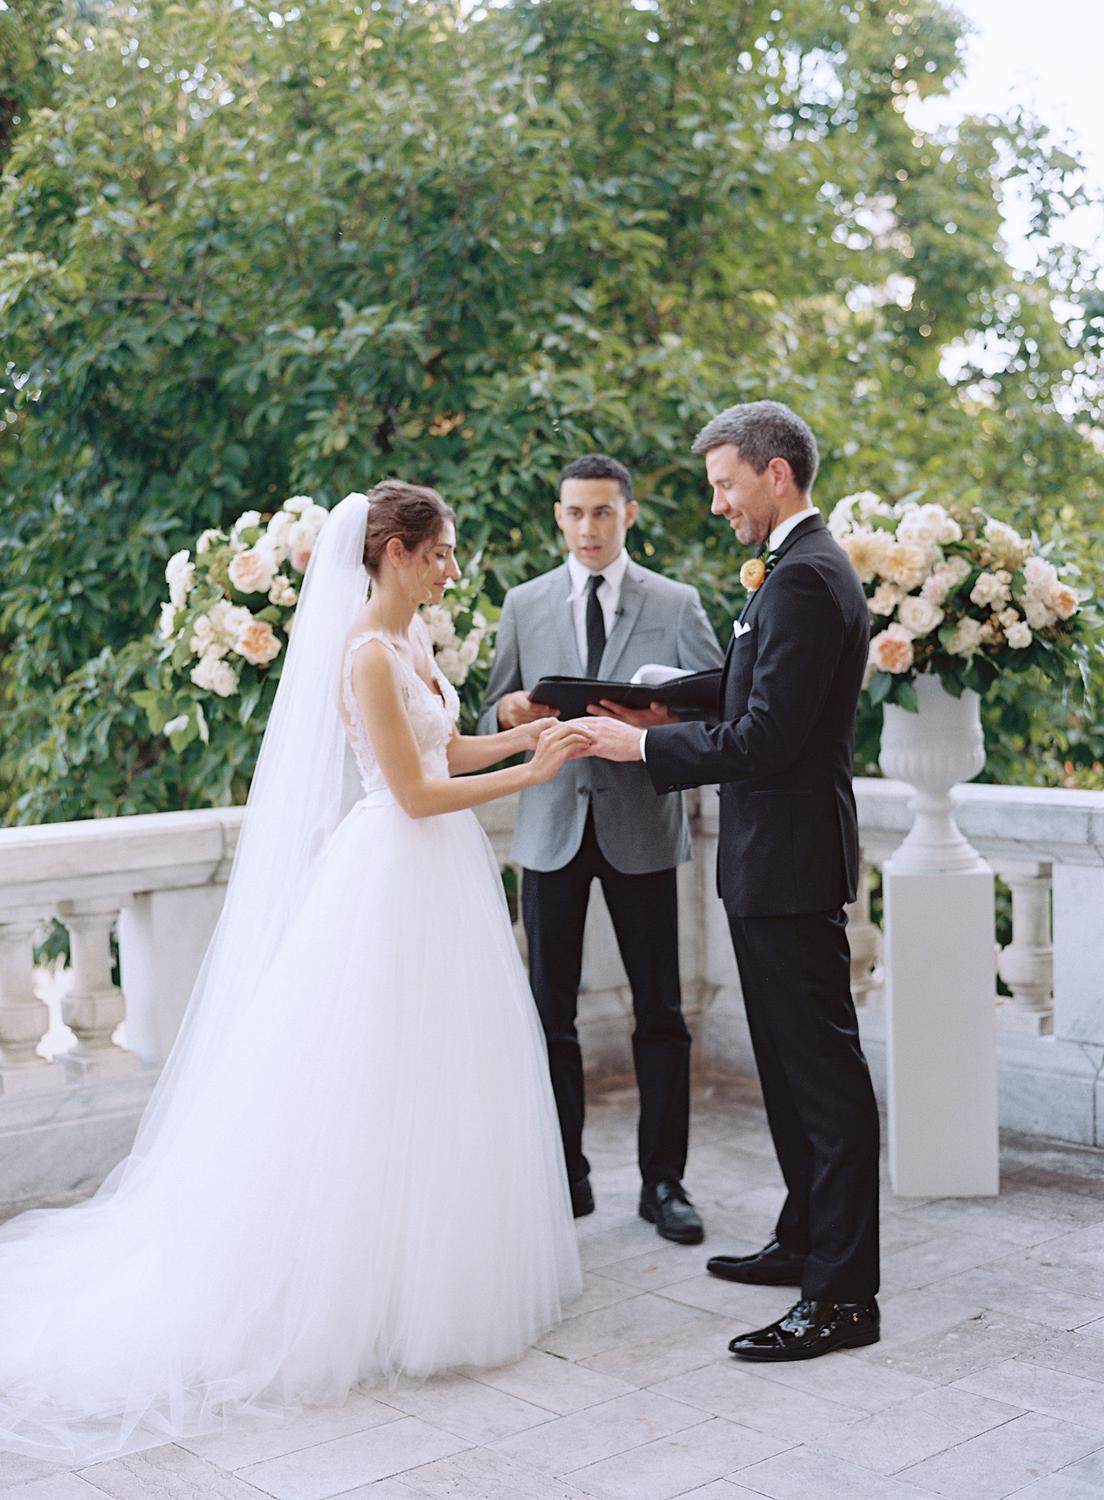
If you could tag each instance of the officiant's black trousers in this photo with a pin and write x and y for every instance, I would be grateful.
(644, 911)
(796, 976)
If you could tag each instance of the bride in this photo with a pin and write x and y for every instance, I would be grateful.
(350, 1168)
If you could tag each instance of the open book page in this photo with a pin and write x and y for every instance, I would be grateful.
(652, 674)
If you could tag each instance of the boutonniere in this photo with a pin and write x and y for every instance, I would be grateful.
(754, 572)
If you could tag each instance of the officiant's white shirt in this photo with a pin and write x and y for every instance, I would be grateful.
(774, 541)
(609, 595)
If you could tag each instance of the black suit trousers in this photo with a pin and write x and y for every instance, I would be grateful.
(644, 911)
(795, 974)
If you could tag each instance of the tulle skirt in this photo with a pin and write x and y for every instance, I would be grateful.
(351, 1172)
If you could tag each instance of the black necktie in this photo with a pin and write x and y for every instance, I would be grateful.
(595, 626)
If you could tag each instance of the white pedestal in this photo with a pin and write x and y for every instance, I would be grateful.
(941, 1045)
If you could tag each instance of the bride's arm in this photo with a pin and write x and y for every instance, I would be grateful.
(379, 697)
(472, 752)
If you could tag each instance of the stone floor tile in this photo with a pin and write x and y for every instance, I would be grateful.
(971, 1345)
(17, 1468)
(652, 1360)
(567, 1443)
(1057, 1265)
(604, 1244)
(802, 1474)
(598, 1291)
(1083, 1480)
(922, 1426)
(468, 1408)
(991, 1218)
(932, 1260)
(900, 1231)
(63, 1486)
(166, 1473)
(557, 1385)
(662, 1266)
(1035, 1388)
(1078, 1353)
(483, 1473)
(908, 1316)
(1009, 1289)
(639, 1317)
(1004, 1459)
(250, 1442)
(347, 1462)
(672, 1466)
(743, 1306)
(852, 1382)
(727, 1390)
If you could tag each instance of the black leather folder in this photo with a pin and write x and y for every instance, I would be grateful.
(692, 697)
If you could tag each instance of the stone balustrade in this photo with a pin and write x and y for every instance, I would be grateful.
(157, 882)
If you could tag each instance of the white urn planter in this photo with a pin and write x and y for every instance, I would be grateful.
(940, 960)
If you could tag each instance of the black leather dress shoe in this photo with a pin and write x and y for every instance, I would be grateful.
(582, 1198)
(810, 1329)
(774, 1265)
(666, 1205)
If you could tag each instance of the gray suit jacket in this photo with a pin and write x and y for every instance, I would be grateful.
(657, 621)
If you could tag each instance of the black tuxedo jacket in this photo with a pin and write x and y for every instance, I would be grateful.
(782, 751)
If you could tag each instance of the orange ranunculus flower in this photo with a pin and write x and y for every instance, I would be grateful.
(753, 573)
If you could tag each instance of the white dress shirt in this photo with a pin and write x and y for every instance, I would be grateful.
(609, 595)
(774, 541)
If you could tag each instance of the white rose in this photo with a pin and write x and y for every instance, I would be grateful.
(315, 517)
(928, 526)
(919, 616)
(936, 588)
(180, 577)
(174, 726)
(258, 643)
(215, 676)
(891, 650)
(991, 589)
(885, 599)
(252, 571)
(956, 568)
(297, 504)
(438, 622)
(206, 540)
(282, 592)
(867, 551)
(1041, 577)
(166, 621)
(905, 565)
(214, 633)
(1009, 617)
(1062, 601)
(1019, 635)
(1006, 545)
(966, 638)
(276, 533)
(1038, 616)
(468, 652)
(247, 519)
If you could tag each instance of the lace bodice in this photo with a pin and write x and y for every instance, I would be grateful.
(431, 719)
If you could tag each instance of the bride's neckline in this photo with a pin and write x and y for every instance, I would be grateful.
(432, 688)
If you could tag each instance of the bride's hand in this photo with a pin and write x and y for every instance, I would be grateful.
(528, 735)
(561, 743)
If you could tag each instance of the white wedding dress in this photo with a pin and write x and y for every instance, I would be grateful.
(352, 1172)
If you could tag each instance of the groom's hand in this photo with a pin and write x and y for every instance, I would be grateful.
(610, 739)
(640, 718)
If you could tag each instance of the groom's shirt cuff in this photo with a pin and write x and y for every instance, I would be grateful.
(644, 745)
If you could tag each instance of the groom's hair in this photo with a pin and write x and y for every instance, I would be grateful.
(599, 466)
(763, 430)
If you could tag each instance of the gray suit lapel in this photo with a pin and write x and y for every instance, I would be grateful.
(563, 617)
(633, 590)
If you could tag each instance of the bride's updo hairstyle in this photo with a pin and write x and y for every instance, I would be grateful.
(412, 512)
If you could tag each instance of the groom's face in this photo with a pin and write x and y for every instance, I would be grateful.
(594, 518)
(747, 500)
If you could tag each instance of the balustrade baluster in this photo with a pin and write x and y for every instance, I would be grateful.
(863, 936)
(24, 1019)
(93, 1006)
(1027, 963)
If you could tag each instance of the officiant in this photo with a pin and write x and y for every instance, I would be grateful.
(602, 616)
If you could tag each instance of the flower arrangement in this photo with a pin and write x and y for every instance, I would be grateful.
(962, 596)
(230, 612)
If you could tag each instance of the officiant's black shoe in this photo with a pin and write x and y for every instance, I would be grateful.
(810, 1329)
(774, 1265)
(582, 1198)
(666, 1205)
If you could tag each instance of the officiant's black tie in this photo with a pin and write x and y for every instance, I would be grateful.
(595, 626)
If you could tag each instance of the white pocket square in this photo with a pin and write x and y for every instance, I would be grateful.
(739, 628)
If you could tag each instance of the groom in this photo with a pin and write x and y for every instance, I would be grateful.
(600, 615)
(787, 863)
